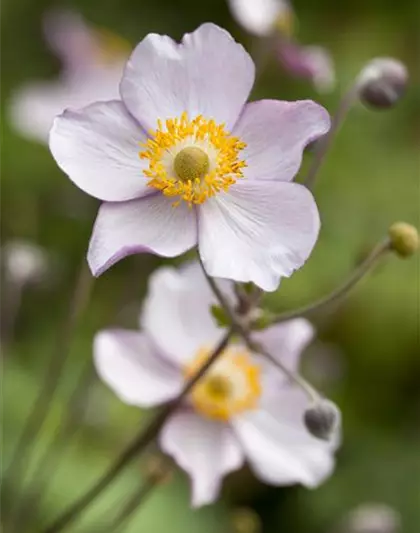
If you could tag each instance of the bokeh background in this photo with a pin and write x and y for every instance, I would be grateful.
(367, 355)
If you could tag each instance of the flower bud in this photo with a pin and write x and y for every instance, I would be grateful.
(372, 518)
(404, 239)
(245, 520)
(24, 262)
(322, 419)
(382, 83)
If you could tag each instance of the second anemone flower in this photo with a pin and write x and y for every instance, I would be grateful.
(243, 408)
(182, 160)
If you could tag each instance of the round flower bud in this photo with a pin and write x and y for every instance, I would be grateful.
(24, 262)
(404, 239)
(245, 520)
(322, 419)
(372, 518)
(382, 83)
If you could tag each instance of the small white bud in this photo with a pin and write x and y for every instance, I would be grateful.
(382, 83)
(322, 419)
(24, 262)
(372, 518)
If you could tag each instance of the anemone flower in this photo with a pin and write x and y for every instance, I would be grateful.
(242, 409)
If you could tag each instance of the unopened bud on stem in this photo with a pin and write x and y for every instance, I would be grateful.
(382, 83)
(404, 239)
(322, 419)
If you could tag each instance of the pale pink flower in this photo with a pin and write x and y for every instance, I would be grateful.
(182, 161)
(92, 65)
(243, 409)
(275, 18)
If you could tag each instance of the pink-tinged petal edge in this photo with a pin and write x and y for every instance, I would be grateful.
(98, 148)
(205, 449)
(207, 74)
(258, 231)
(129, 364)
(276, 134)
(150, 224)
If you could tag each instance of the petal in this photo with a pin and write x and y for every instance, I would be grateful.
(286, 341)
(176, 312)
(279, 448)
(207, 74)
(205, 449)
(150, 224)
(98, 148)
(258, 231)
(276, 134)
(258, 17)
(129, 365)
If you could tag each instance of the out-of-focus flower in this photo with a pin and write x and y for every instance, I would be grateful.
(242, 409)
(212, 170)
(262, 17)
(275, 18)
(310, 62)
(24, 262)
(372, 518)
(92, 65)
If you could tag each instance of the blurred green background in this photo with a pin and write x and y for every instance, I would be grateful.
(367, 355)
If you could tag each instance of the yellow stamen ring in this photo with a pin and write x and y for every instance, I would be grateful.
(192, 159)
(230, 387)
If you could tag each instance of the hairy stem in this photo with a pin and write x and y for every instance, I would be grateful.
(243, 332)
(337, 295)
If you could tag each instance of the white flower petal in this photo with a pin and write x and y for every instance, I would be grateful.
(286, 341)
(258, 16)
(176, 312)
(207, 74)
(98, 148)
(150, 224)
(279, 448)
(131, 367)
(205, 449)
(276, 134)
(258, 231)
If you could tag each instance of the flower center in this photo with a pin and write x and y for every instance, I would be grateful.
(231, 386)
(192, 160)
(191, 163)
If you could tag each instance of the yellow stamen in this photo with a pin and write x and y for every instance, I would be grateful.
(231, 386)
(192, 159)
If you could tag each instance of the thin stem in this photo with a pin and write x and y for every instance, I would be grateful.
(47, 464)
(253, 346)
(138, 445)
(323, 145)
(338, 294)
(37, 416)
(139, 497)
